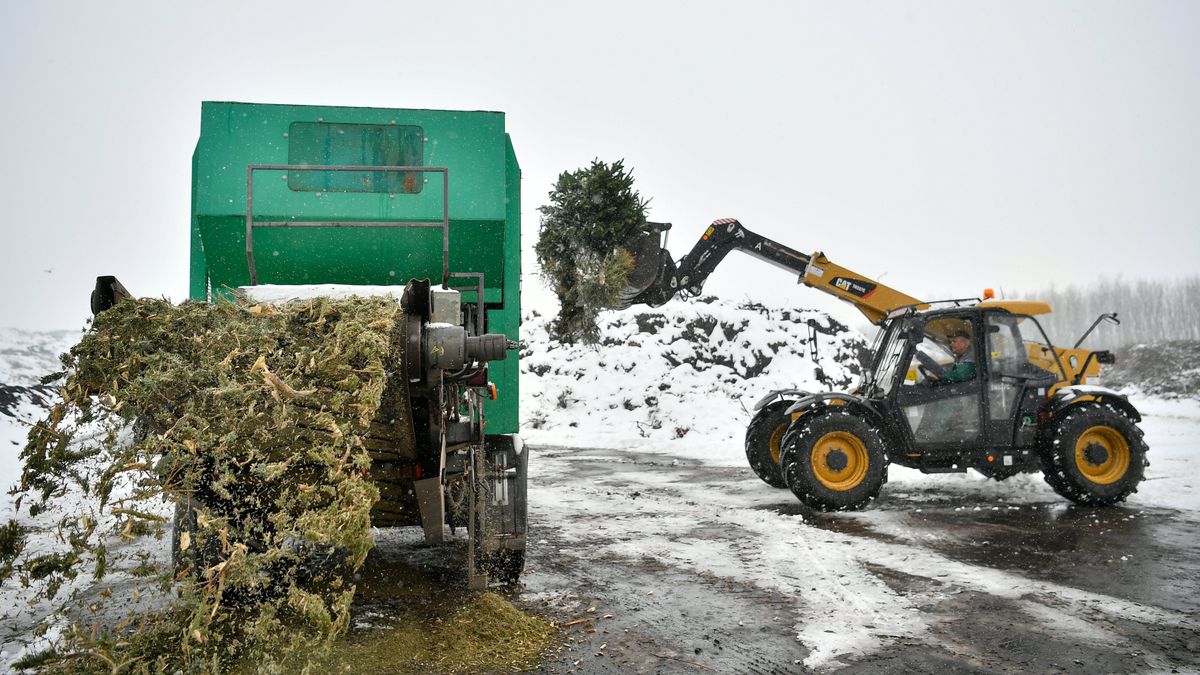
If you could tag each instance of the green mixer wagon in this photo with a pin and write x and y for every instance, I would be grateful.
(306, 201)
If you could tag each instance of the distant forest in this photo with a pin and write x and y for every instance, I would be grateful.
(1149, 310)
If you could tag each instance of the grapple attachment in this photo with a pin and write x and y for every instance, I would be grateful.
(649, 280)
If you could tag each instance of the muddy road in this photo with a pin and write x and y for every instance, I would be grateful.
(659, 564)
(664, 565)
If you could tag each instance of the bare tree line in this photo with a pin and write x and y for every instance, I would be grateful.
(1149, 310)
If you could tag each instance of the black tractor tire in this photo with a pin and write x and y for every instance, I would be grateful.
(834, 460)
(1094, 455)
(764, 439)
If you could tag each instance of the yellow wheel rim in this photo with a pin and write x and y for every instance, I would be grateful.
(776, 440)
(1102, 455)
(840, 461)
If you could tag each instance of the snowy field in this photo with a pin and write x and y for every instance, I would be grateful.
(679, 385)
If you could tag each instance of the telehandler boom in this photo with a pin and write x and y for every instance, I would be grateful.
(655, 278)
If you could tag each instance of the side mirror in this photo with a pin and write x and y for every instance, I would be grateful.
(1106, 318)
(1105, 357)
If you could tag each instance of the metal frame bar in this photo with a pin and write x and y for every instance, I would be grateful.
(250, 224)
(480, 317)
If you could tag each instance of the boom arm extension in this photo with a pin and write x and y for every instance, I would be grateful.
(655, 278)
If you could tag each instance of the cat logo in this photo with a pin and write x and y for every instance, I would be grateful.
(862, 289)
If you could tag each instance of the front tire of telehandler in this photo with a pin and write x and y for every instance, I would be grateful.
(835, 461)
(764, 439)
(1094, 455)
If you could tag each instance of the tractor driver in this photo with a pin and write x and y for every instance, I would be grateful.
(963, 369)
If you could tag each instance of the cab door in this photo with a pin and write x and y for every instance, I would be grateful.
(1015, 384)
(942, 409)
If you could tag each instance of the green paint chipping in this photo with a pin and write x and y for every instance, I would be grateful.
(254, 418)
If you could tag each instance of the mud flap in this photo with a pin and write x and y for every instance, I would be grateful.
(506, 506)
(431, 503)
(499, 513)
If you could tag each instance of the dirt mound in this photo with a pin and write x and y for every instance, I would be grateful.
(1167, 369)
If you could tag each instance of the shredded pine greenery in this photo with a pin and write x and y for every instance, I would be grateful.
(253, 419)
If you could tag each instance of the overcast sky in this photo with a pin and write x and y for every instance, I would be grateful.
(939, 147)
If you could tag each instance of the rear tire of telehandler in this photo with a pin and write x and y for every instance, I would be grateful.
(834, 461)
(1094, 455)
(764, 440)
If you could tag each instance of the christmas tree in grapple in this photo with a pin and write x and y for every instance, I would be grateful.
(592, 211)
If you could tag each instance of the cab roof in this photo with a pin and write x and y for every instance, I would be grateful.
(1030, 307)
(1024, 307)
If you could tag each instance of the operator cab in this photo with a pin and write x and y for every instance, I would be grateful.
(962, 386)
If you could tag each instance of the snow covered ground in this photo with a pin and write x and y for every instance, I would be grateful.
(678, 383)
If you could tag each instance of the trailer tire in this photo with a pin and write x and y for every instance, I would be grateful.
(764, 440)
(1094, 455)
(834, 461)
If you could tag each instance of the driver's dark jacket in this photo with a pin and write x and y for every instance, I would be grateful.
(963, 369)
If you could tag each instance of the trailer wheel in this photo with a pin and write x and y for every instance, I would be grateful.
(764, 439)
(834, 461)
(1094, 455)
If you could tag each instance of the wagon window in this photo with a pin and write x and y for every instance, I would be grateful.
(330, 144)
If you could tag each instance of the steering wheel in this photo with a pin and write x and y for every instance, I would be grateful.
(930, 364)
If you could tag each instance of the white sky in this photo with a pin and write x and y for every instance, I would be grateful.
(940, 147)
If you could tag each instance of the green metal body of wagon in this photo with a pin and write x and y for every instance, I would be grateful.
(371, 227)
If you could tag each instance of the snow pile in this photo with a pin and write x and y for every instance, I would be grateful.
(680, 379)
(27, 356)
(280, 294)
